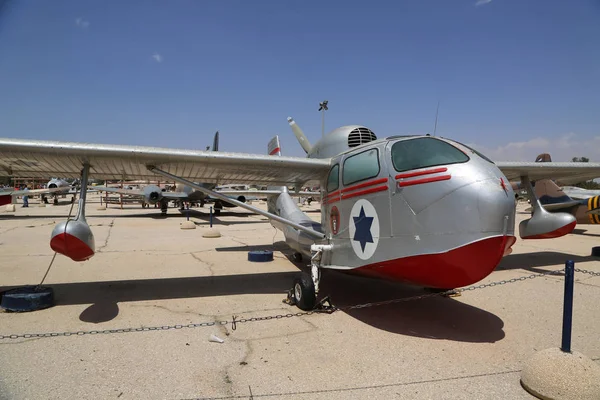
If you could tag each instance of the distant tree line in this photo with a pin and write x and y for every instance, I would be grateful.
(587, 184)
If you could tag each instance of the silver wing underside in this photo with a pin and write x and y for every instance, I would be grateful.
(565, 172)
(37, 159)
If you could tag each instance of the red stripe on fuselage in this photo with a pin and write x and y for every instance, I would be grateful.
(420, 173)
(455, 268)
(424, 180)
(364, 185)
(332, 200)
(342, 194)
(367, 191)
(332, 195)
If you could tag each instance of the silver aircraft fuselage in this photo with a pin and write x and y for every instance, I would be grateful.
(444, 225)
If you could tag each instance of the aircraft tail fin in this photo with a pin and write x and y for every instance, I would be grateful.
(550, 193)
(274, 148)
(215, 146)
(302, 139)
(544, 157)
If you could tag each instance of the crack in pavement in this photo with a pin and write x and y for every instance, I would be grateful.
(213, 317)
(208, 264)
(110, 227)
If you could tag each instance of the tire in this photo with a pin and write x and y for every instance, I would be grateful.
(260, 256)
(304, 292)
(27, 298)
(297, 257)
(596, 251)
(217, 211)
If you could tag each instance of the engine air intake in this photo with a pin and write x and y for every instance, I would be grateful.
(360, 136)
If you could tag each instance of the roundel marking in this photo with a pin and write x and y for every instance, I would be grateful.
(364, 229)
(334, 220)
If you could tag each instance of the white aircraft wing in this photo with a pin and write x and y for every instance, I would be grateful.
(31, 192)
(36, 158)
(140, 193)
(565, 172)
(125, 191)
(265, 193)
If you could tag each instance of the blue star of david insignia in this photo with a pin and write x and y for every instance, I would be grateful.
(363, 224)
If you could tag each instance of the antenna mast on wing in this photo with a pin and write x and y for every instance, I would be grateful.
(215, 146)
(323, 107)
(436, 118)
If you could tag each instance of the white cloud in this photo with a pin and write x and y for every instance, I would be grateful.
(561, 148)
(482, 2)
(82, 23)
(157, 57)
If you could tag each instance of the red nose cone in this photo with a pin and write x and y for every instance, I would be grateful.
(71, 247)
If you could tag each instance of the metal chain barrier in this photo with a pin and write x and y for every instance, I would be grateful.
(329, 309)
(584, 271)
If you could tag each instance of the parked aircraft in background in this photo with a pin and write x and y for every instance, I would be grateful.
(421, 209)
(153, 194)
(55, 187)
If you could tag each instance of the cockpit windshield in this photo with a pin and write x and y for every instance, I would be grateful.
(424, 152)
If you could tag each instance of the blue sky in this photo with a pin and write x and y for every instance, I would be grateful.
(513, 77)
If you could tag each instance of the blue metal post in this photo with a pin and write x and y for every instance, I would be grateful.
(211, 216)
(568, 307)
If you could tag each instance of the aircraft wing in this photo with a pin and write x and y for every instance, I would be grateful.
(36, 158)
(565, 172)
(140, 193)
(265, 193)
(31, 192)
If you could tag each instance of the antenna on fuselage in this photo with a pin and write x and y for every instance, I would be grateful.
(323, 107)
(436, 118)
(300, 135)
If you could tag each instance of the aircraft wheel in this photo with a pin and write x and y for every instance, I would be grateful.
(297, 257)
(217, 211)
(596, 251)
(304, 292)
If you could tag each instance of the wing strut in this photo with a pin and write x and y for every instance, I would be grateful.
(212, 193)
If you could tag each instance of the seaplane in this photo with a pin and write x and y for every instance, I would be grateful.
(421, 209)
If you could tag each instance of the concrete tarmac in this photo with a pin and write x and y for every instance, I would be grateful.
(149, 273)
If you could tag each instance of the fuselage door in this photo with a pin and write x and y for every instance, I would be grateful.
(358, 211)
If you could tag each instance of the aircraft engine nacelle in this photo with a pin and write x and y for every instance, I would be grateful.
(240, 198)
(74, 239)
(546, 225)
(152, 194)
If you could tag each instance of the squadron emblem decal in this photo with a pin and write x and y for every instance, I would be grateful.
(334, 220)
(364, 229)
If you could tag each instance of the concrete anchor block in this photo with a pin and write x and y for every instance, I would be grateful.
(187, 225)
(553, 374)
(211, 233)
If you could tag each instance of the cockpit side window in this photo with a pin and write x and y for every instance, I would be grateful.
(333, 180)
(361, 166)
(425, 152)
